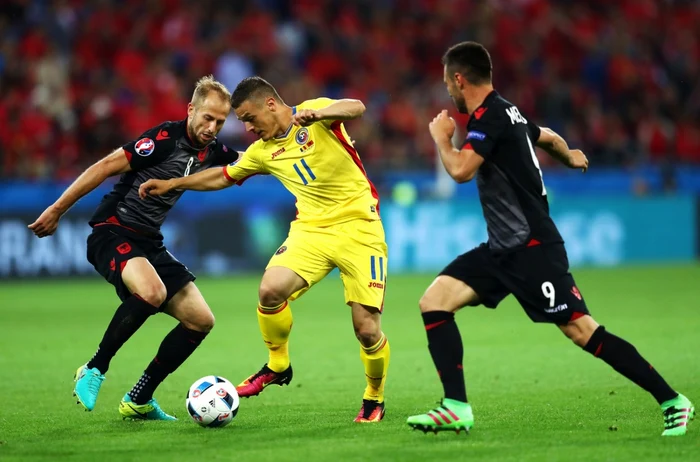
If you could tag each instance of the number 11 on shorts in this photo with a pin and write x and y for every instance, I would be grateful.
(377, 270)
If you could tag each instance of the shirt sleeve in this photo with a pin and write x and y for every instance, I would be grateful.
(224, 155)
(483, 132)
(151, 148)
(316, 104)
(246, 165)
(534, 130)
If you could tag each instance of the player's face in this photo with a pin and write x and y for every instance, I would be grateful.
(259, 117)
(455, 92)
(206, 120)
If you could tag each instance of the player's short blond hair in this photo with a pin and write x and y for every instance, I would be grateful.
(206, 85)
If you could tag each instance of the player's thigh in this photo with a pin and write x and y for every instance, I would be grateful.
(361, 254)
(540, 280)
(470, 279)
(141, 278)
(123, 263)
(174, 274)
(189, 307)
(305, 254)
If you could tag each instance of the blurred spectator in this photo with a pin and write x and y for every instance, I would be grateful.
(620, 80)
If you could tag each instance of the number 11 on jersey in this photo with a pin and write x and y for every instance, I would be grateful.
(309, 172)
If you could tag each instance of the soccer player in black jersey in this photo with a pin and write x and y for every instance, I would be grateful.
(126, 246)
(524, 255)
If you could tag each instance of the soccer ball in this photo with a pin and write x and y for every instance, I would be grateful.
(212, 401)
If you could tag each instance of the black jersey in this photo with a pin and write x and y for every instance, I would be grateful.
(511, 190)
(163, 152)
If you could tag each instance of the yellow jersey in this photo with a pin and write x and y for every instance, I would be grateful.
(318, 165)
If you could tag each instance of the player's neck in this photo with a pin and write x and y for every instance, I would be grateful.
(284, 121)
(475, 96)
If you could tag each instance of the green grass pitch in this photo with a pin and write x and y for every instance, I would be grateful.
(536, 397)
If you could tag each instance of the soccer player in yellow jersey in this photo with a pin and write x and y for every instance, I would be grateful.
(307, 148)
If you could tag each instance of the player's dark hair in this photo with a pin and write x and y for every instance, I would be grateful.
(471, 60)
(253, 87)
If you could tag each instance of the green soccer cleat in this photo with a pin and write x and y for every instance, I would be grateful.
(451, 415)
(677, 413)
(149, 411)
(87, 386)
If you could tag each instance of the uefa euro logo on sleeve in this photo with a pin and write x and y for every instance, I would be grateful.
(145, 147)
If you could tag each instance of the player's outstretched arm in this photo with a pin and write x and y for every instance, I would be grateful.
(556, 147)
(114, 164)
(211, 179)
(462, 164)
(344, 109)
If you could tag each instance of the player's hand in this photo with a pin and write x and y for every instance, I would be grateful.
(306, 117)
(577, 159)
(47, 222)
(154, 188)
(442, 126)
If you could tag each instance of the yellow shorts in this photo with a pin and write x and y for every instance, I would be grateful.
(358, 248)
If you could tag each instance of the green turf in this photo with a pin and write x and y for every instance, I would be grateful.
(535, 396)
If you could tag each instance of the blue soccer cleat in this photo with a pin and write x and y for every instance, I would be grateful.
(87, 386)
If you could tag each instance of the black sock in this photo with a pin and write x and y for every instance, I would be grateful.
(129, 317)
(445, 345)
(176, 347)
(625, 359)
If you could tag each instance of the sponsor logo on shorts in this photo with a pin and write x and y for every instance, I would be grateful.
(145, 147)
(281, 250)
(124, 248)
(576, 292)
(113, 265)
(302, 136)
(375, 285)
(557, 308)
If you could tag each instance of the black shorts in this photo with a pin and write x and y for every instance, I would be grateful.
(537, 276)
(109, 247)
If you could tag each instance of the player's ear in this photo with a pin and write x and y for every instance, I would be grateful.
(459, 80)
(271, 103)
(190, 109)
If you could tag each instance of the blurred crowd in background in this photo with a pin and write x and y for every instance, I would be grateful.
(619, 79)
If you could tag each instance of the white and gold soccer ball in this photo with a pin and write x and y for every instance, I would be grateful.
(212, 401)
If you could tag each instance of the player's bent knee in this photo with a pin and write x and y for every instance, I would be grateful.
(368, 333)
(203, 322)
(428, 303)
(154, 293)
(271, 294)
(580, 330)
